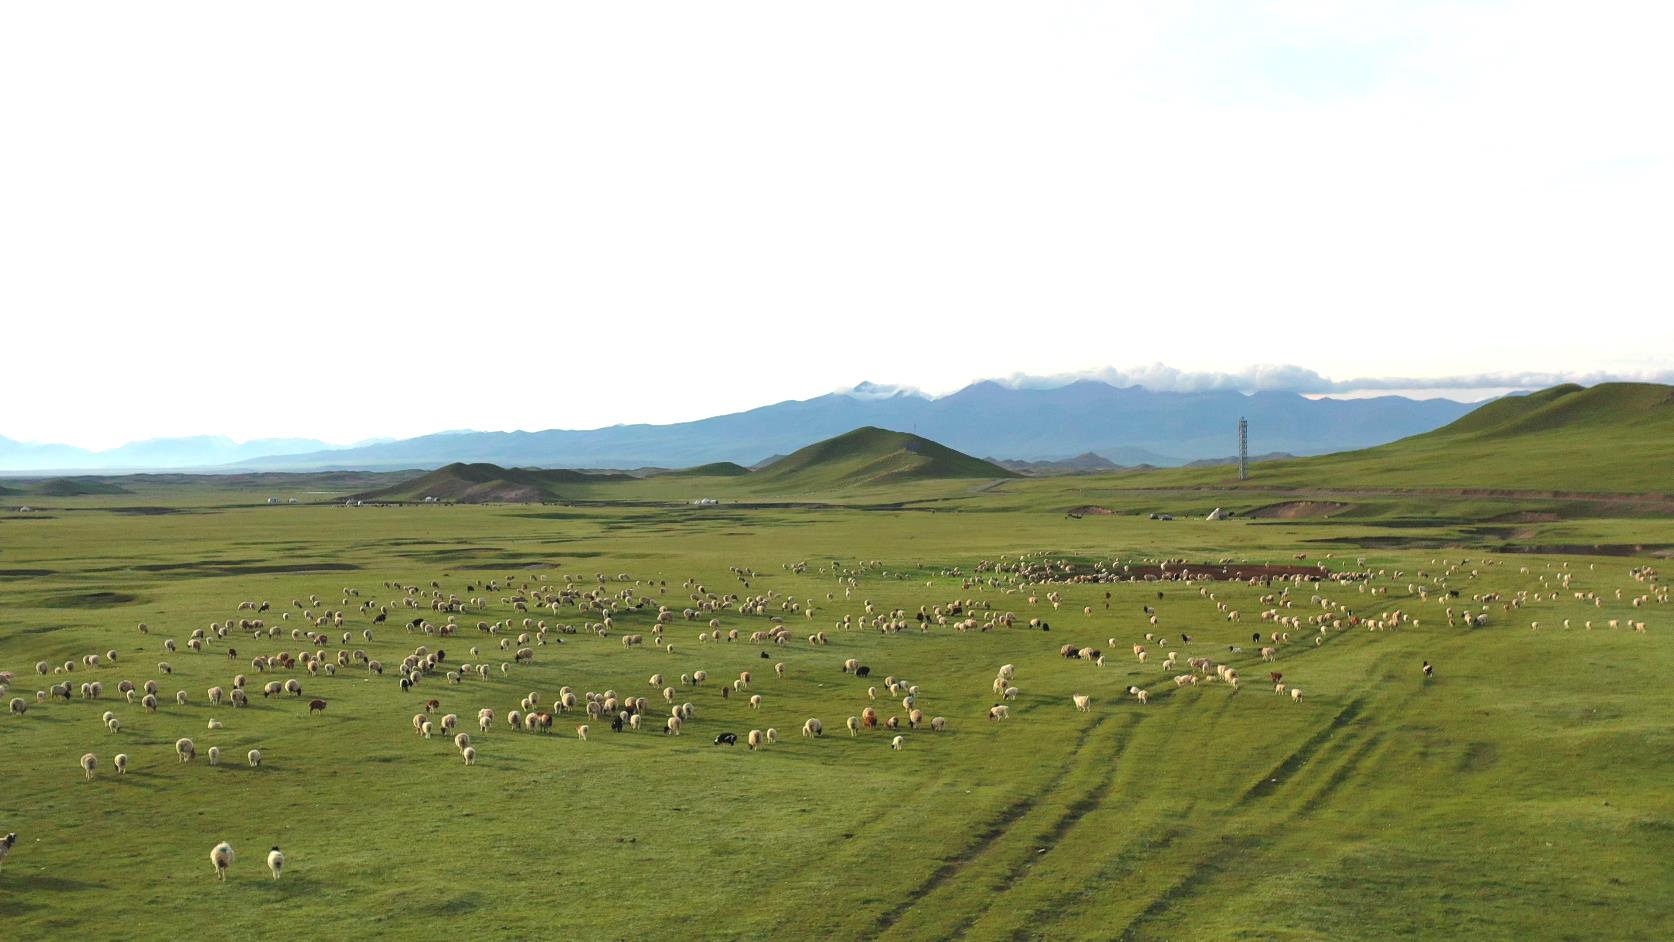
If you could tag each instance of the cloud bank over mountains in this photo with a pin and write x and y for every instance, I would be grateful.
(1160, 377)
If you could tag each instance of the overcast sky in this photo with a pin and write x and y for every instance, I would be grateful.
(341, 220)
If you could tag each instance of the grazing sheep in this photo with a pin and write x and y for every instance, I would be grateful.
(18, 706)
(1000, 712)
(854, 726)
(221, 858)
(214, 755)
(255, 757)
(214, 724)
(89, 762)
(938, 724)
(180, 697)
(275, 861)
(469, 753)
(897, 743)
(464, 739)
(671, 727)
(121, 763)
(186, 749)
(113, 725)
(772, 735)
(1296, 694)
(779, 669)
(813, 728)
(1083, 703)
(580, 732)
(754, 739)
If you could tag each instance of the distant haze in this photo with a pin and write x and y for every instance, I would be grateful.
(345, 220)
(1019, 420)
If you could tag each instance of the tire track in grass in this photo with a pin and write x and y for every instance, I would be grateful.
(1072, 815)
(989, 836)
(1223, 852)
(1292, 763)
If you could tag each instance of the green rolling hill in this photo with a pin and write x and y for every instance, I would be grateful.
(1611, 438)
(872, 456)
(489, 483)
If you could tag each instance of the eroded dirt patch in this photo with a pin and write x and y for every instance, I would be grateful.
(1299, 510)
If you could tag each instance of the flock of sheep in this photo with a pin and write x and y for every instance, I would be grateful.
(314, 638)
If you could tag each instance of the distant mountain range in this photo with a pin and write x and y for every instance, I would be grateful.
(198, 451)
(1124, 425)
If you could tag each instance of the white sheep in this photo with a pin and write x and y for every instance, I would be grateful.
(214, 755)
(221, 858)
(813, 728)
(1083, 703)
(255, 757)
(897, 743)
(89, 762)
(186, 749)
(121, 763)
(1296, 694)
(581, 732)
(772, 735)
(754, 740)
(469, 753)
(275, 862)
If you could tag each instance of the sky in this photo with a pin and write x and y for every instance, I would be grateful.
(347, 220)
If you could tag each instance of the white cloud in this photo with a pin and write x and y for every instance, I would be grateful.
(1297, 379)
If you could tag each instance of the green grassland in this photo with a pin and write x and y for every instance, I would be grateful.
(1520, 794)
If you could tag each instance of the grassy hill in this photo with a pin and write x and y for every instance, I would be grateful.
(869, 456)
(718, 469)
(489, 483)
(73, 487)
(1610, 438)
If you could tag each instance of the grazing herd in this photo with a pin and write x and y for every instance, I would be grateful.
(319, 642)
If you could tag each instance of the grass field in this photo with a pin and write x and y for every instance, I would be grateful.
(1519, 794)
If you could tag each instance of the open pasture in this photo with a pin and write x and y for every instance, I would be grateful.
(1521, 792)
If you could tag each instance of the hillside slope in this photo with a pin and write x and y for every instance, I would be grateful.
(1610, 438)
(869, 456)
(488, 483)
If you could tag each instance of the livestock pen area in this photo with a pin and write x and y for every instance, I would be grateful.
(1519, 791)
